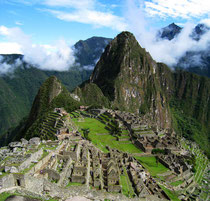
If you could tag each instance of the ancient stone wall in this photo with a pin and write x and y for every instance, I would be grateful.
(34, 157)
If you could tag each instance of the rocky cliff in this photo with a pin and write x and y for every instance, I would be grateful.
(126, 75)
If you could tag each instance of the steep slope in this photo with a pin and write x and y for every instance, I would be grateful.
(132, 81)
(52, 94)
(19, 88)
(189, 97)
(126, 76)
(89, 51)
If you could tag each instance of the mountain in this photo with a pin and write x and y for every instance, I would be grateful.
(193, 61)
(127, 78)
(19, 88)
(89, 51)
(52, 94)
(169, 32)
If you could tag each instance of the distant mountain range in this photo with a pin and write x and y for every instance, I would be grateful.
(193, 61)
(18, 89)
(126, 78)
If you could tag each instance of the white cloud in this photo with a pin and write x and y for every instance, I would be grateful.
(8, 68)
(87, 12)
(18, 23)
(95, 18)
(59, 57)
(206, 21)
(178, 8)
(71, 3)
(10, 48)
(165, 51)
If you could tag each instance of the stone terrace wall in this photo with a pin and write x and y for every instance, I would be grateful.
(39, 165)
(34, 157)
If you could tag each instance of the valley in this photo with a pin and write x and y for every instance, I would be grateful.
(132, 130)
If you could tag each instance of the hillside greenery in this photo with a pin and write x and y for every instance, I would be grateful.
(18, 90)
(52, 94)
(126, 72)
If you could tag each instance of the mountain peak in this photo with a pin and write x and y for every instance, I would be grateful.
(170, 31)
(126, 76)
(47, 92)
(119, 58)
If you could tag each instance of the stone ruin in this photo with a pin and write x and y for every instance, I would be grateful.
(75, 164)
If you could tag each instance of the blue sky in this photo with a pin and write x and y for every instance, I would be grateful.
(48, 20)
(49, 25)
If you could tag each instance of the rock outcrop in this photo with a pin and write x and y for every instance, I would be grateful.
(126, 74)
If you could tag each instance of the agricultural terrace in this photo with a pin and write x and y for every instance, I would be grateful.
(100, 133)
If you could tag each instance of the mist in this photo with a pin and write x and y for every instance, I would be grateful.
(164, 50)
(58, 56)
(6, 68)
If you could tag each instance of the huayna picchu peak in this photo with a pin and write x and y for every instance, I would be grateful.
(126, 75)
(135, 130)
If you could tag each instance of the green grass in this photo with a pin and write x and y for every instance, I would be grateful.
(127, 189)
(172, 195)
(101, 141)
(177, 183)
(45, 146)
(73, 184)
(3, 174)
(94, 125)
(149, 162)
(5, 195)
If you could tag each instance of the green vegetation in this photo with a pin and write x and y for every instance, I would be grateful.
(86, 131)
(127, 188)
(172, 195)
(90, 94)
(190, 128)
(5, 195)
(101, 141)
(177, 183)
(152, 165)
(3, 174)
(41, 122)
(199, 161)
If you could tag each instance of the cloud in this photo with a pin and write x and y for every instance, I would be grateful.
(71, 3)
(85, 11)
(180, 8)
(10, 48)
(206, 21)
(91, 12)
(95, 18)
(59, 56)
(165, 51)
(18, 23)
(6, 68)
